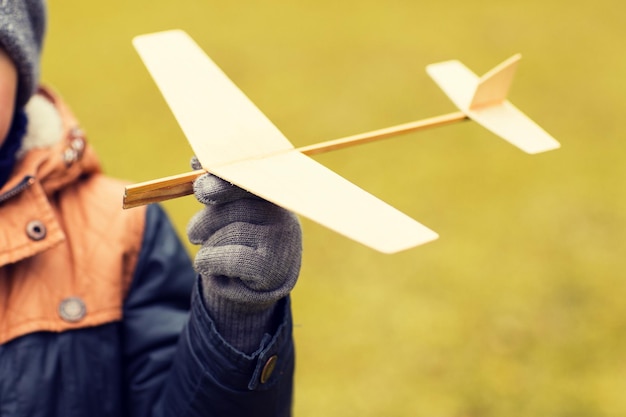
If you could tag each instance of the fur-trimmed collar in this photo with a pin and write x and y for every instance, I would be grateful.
(45, 126)
(54, 150)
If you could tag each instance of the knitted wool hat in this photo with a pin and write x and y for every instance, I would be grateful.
(22, 26)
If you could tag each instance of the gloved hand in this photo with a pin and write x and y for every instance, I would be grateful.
(249, 258)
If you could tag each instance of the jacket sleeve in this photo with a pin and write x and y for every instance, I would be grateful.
(176, 363)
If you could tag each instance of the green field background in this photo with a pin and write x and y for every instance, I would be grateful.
(519, 309)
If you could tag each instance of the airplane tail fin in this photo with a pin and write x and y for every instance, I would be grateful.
(484, 101)
(494, 86)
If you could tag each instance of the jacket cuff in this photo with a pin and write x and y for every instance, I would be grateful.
(271, 363)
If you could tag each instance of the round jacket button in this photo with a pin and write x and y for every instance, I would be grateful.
(268, 369)
(36, 230)
(72, 309)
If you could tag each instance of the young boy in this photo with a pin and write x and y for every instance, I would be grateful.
(101, 312)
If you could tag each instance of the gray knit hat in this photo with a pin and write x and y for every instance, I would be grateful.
(22, 26)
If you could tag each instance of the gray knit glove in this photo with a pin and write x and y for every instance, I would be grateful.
(249, 258)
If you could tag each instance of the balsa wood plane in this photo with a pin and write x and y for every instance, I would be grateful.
(235, 141)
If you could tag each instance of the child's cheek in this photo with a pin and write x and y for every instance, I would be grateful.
(8, 88)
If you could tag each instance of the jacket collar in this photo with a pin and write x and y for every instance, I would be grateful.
(54, 155)
(54, 151)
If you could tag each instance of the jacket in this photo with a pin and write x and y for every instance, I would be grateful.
(101, 313)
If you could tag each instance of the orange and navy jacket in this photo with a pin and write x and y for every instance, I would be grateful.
(100, 309)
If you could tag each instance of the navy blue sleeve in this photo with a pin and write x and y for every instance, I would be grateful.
(155, 312)
(176, 362)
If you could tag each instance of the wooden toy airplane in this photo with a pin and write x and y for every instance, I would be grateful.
(236, 142)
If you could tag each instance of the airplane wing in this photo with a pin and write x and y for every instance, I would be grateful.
(300, 184)
(484, 101)
(235, 141)
(220, 122)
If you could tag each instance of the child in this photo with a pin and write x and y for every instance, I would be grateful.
(102, 313)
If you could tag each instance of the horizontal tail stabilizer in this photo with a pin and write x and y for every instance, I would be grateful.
(456, 80)
(508, 122)
(484, 101)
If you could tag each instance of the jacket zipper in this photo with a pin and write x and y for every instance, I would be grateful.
(21, 186)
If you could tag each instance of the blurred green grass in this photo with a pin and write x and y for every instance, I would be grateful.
(517, 310)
